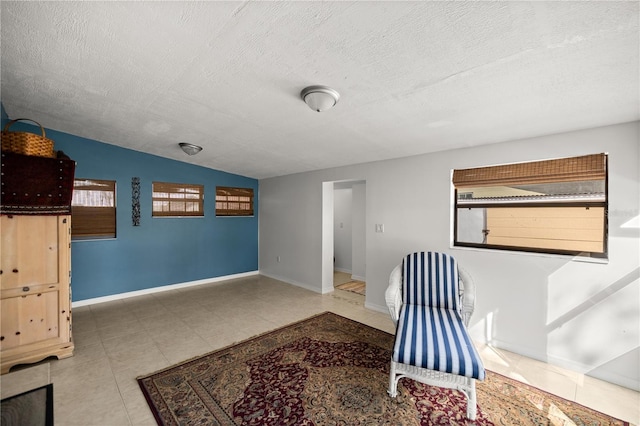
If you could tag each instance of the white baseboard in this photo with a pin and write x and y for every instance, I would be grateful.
(374, 307)
(358, 278)
(617, 379)
(578, 367)
(159, 289)
(345, 270)
(296, 283)
(607, 376)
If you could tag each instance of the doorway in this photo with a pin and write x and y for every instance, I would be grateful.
(344, 248)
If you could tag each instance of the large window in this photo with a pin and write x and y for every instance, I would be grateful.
(177, 199)
(93, 209)
(234, 201)
(553, 206)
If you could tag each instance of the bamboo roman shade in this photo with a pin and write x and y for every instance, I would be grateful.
(177, 199)
(93, 209)
(234, 201)
(587, 167)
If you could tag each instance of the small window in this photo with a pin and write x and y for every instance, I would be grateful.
(554, 206)
(93, 209)
(177, 199)
(234, 201)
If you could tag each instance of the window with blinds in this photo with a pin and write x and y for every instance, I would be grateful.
(93, 209)
(177, 199)
(553, 206)
(234, 201)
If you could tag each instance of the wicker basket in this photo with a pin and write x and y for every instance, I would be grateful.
(26, 143)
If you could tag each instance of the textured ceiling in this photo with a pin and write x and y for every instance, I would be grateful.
(414, 77)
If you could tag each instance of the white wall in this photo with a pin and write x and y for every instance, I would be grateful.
(342, 229)
(349, 224)
(580, 315)
(359, 236)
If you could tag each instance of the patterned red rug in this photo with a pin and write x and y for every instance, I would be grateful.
(329, 370)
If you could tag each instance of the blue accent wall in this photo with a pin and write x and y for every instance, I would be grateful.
(161, 251)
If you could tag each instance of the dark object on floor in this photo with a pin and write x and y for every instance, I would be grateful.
(31, 408)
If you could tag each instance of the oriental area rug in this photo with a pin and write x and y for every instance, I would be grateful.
(330, 370)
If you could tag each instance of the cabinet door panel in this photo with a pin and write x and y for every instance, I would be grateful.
(29, 251)
(34, 318)
(35, 289)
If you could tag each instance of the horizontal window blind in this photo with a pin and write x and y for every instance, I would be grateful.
(177, 199)
(93, 209)
(584, 168)
(234, 201)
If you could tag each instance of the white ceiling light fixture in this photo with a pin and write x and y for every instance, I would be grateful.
(190, 148)
(320, 98)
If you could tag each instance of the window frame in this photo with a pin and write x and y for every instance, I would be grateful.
(81, 213)
(533, 204)
(237, 192)
(176, 188)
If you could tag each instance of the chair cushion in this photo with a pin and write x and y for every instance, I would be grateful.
(436, 339)
(431, 279)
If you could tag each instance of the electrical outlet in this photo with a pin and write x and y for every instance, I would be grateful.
(379, 227)
(278, 259)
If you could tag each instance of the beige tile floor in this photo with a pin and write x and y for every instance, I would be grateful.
(341, 278)
(121, 340)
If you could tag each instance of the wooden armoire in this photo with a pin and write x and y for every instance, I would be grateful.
(35, 259)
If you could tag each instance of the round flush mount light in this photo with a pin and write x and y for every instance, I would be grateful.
(320, 98)
(190, 148)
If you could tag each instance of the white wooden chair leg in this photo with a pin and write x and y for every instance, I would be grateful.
(393, 382)
(471, 402)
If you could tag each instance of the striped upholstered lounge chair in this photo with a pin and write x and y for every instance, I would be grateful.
(431, 302)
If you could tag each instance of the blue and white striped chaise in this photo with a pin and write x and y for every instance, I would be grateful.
(431, 302)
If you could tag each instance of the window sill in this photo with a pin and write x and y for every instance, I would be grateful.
(177, 217)
(572, 258)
